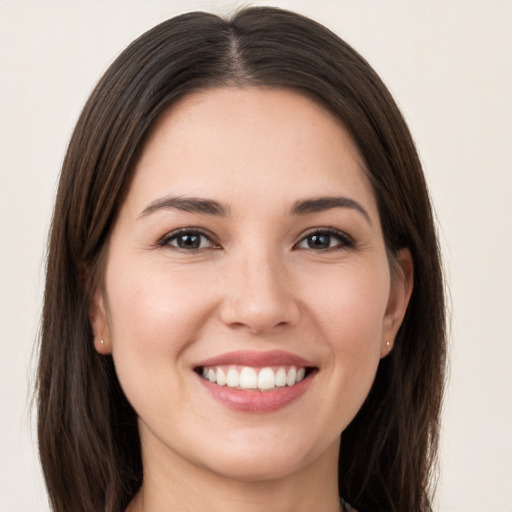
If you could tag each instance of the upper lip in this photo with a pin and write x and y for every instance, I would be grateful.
(257, 359)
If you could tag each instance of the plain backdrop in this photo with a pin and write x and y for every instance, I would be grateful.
(449, 65)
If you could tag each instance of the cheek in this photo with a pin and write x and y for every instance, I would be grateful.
(155, 314)
(348, 316)
(349, 305)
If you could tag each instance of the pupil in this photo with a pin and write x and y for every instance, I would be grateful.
(319, 241)
(189, 241)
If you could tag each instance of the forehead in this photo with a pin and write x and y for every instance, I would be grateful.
(252, 143)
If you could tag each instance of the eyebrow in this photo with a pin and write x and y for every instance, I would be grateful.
(212, 207)
(187, 204)
(321, 204)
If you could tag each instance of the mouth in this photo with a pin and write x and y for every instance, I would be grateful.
(245, 378)
(256, 382)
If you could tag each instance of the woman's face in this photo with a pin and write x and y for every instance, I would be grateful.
(247, 297)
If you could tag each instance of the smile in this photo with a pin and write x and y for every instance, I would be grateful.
(248, 377)
(256, 382)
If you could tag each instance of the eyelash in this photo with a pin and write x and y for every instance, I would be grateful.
(344, 241)
(175, 235)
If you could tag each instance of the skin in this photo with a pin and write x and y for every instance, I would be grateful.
(254, 284)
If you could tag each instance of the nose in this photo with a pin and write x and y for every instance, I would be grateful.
(258, 295)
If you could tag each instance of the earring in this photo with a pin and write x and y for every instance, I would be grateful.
(101, 342)
(388, 345)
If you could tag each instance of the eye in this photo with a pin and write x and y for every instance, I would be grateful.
(325, 239)
(188, 240)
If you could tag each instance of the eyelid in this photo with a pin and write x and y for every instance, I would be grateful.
(347, 242)
(164, 241)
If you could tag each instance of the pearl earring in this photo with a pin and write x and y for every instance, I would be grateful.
(101, 342)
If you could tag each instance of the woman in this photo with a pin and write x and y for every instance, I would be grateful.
(244, 303)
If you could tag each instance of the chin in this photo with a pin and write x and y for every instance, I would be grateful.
(258, 469)
(258, 462)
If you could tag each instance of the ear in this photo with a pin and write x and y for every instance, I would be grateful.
(402, 281)
(99, 323)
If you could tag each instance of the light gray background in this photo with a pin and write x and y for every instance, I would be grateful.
(448, 63)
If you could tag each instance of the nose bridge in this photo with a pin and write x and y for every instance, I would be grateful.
(259, 295)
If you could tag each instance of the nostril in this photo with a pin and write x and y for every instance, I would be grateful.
(258, 325)
(237, 325)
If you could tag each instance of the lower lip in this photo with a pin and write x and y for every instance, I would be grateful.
(257, 401)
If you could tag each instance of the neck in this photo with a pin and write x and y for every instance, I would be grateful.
(171, 483)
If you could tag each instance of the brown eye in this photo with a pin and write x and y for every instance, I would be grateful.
(325, 240)
(191, 241)
(188, 240)
(321, 241)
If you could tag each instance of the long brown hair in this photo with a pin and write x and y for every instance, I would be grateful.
(88, 437)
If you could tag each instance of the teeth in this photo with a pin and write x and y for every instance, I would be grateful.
(247, 377)
(233, 378)
(281, 378)
(221, 377)
(266, 379)
(290, 378)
